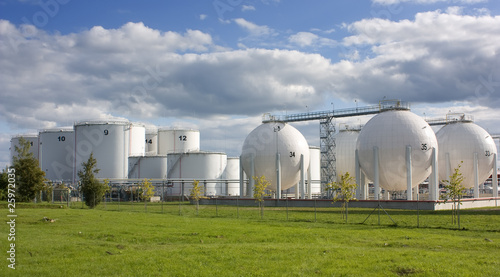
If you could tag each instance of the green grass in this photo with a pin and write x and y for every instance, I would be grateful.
(124, 240)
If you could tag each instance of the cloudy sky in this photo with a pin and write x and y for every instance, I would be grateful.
(218, 65)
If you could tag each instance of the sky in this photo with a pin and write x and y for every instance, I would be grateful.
(218, 65)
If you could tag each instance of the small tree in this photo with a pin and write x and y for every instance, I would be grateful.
(345, 191)
(4, 183)
(29, 176)
(259, 192)
(454, 192)
(92, 189)
(197, 192)
(147, 190)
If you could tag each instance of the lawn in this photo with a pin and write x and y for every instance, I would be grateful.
(171, 240)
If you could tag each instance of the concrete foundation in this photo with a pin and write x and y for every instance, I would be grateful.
(386, 204)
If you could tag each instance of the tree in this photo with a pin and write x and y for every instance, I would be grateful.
(29, 177)
(4, 183)
(345, 192)
(197, 192)
(92, 189)
(259, 192)
(147, 190)
(454, 191)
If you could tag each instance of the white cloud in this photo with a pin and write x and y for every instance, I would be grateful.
(307, 39)
(247, 8)
(252, 28)
(203, 16)
(394, 2)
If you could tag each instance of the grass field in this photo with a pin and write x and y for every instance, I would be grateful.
(171, 240)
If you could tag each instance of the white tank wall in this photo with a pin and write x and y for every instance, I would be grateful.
(34, 145)
(264, 142)
(315, 169)
(178, 141)
(460, 141)
(57, 148)
(151, 167)
(196, 166)
(151, 140)
(232, 172)
(345, 142)
(137, 134)
(109, 141)
(391, 132)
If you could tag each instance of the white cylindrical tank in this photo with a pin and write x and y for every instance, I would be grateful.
(392, 132)
(459, 141)
(137, 134)
(151, 141)
(109, 142)
(31, 138)
(205, 167)
(264, 142)
(57, 148)
(345, 142)
(178, 141)
(232, 175)
(315, 169)
(151, 167)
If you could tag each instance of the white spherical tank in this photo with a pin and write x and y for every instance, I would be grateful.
(151, 141)
(205, 167)
(315, 169)
(232, 175)
(151, 167)
(178, 141)
(391, 132)
(109, 142)
(33, 141)
(345, 142)
(57, 147)
(137, 136)
(264, 142)
(459, 141)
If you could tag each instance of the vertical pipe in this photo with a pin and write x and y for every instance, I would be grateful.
(242, 192)
(358, 175)
(364, 187)
(476, 177)
(448, 166)
(278, 176)
(309, 185)
(409, 192)
(302, 177)
(494, 177)
(252, 173)
(433, 180)
(376, 182)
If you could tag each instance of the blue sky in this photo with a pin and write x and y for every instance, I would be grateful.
(219, 65)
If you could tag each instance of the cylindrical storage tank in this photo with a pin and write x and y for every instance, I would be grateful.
(345, 142)
(150, 167)
(391, 132)
(109, 142)
(264, 143)
(206, 167)
(33, 141)
(137, 134)
(459, 141)
(178, 141)
(315, 169)
(57, 147)
(232, 176)
(151, 141)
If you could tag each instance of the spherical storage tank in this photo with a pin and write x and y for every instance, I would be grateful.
(205, 167)
(459, 141)
(31, 138)
(392, 132)
(109, 142)
(178, 141)
(57, 148)
(262, 145)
